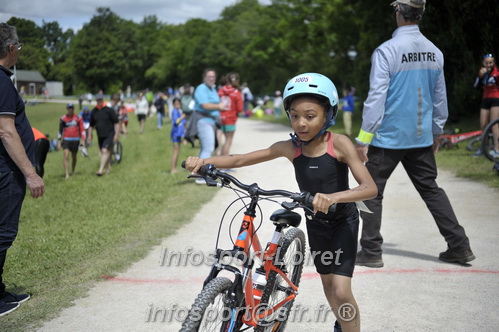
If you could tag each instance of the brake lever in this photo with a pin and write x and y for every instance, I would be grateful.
(209, 181)
(290, 205)
(293, 205)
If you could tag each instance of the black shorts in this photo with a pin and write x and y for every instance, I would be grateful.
(70, 145)
(141, 117)
(333, 244)
(488, 103)
(106, 142)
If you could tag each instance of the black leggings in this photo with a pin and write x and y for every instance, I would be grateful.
(42, 146)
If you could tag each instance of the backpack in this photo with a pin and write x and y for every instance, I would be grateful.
(186, 100)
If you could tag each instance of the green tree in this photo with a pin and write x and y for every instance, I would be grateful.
(99, 53)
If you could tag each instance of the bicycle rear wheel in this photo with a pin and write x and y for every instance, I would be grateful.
(291, 257)
(209, 313)
(475, 144)
(488, 141)
(117, 153)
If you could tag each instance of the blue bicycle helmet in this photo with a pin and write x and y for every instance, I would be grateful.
(312, 84)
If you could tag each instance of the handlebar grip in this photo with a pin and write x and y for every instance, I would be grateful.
(309, 199)
(203, 170)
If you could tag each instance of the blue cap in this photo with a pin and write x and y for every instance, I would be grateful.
(70, 105)
(488, 55)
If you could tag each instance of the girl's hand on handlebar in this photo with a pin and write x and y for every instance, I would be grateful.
(193, 164)
(322, 202)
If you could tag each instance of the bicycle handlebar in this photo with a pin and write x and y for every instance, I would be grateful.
(210, 171)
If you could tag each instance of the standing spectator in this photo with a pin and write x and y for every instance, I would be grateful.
(488, 77)
(80, 101)
(16, 159)
(85, 116)
(160, 104)
(178, 131)
(105, 121)
(233, 100)
(407, 108)
(278, 104)
(141, 110)
(187, 101)
(347, 106)
(89, 99)
(149, 97)
(123, 118)
(71, 130)
(247, 98)
(42, 147)
(207, 106)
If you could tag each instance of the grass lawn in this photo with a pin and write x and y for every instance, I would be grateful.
(87, 227)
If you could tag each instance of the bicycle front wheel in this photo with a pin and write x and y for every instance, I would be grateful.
(117, 154)
(488, 140)
(291, 257)
(210, 312)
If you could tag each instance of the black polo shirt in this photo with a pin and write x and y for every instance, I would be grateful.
(11, 103)
(103, 120)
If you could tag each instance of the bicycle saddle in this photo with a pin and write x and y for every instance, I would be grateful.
(285, 217)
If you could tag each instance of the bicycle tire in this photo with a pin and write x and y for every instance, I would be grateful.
(292, 253)
(117, 153)
(488, 140)
(207, 302)
(475, 144)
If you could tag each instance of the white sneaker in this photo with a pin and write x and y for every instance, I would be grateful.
(200, 181)
(494, 153)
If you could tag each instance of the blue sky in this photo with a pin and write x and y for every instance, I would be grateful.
(73, 14)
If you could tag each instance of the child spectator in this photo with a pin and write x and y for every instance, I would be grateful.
(178, 131)
(347, 107)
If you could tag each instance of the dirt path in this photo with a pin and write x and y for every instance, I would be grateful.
(414, 291)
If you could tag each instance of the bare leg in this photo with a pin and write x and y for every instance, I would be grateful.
(142, 126)
(484, 117)
(66, 162)
(229, 137)
(105, 156)
(338, 291)
(176, 150)
(73, 166)
(219, 150)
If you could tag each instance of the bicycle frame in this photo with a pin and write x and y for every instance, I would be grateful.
(450, 140)
(246, 239)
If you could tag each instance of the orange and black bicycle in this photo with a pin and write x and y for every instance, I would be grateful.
(259, 299)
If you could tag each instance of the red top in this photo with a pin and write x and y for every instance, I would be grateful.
(233, 104)
(71, 128)
(490, 84)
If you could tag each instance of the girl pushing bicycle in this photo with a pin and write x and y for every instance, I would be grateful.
(321, 160)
